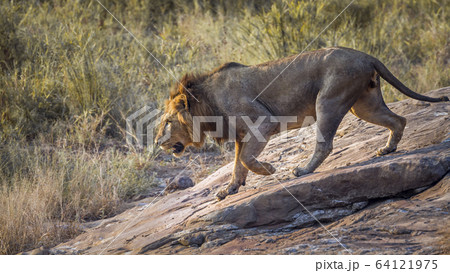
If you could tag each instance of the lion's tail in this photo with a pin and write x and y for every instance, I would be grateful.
(390, 78)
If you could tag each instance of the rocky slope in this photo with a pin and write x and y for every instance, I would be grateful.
(395, 204)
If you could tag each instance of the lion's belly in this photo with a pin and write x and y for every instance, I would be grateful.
(298, 101)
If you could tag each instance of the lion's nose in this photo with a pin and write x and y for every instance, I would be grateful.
(159, 141)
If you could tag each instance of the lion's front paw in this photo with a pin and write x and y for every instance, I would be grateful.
(300, 171)
(385, 151)
(222, 194)
(229, 190)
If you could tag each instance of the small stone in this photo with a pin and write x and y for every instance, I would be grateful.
(291, 251)
(359, 205)
(40, 251)
(181, 183)
(399, 231)
(438, 114)
(194, 240)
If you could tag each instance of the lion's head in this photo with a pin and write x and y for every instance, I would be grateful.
(190, 99)
(175, 132)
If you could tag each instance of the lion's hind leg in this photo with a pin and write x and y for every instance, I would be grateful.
(327, 124)
(370, 107)
(331, 107)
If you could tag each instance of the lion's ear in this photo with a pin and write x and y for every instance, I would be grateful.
(183, 102)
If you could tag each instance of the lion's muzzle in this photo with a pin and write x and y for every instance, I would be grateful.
(177, 148)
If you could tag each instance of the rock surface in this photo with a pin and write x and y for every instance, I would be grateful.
(395, 204)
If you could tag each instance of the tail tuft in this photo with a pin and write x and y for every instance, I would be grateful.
(444, 98)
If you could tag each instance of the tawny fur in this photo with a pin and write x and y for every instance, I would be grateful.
(323, 84)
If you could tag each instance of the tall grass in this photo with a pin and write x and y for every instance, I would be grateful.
(69, 75)
(417, 51)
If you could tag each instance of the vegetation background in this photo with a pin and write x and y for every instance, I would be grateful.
(70, 74)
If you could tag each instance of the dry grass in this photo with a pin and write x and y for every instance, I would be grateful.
(45, 191)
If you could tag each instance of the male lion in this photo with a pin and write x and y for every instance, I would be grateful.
(324, 84)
